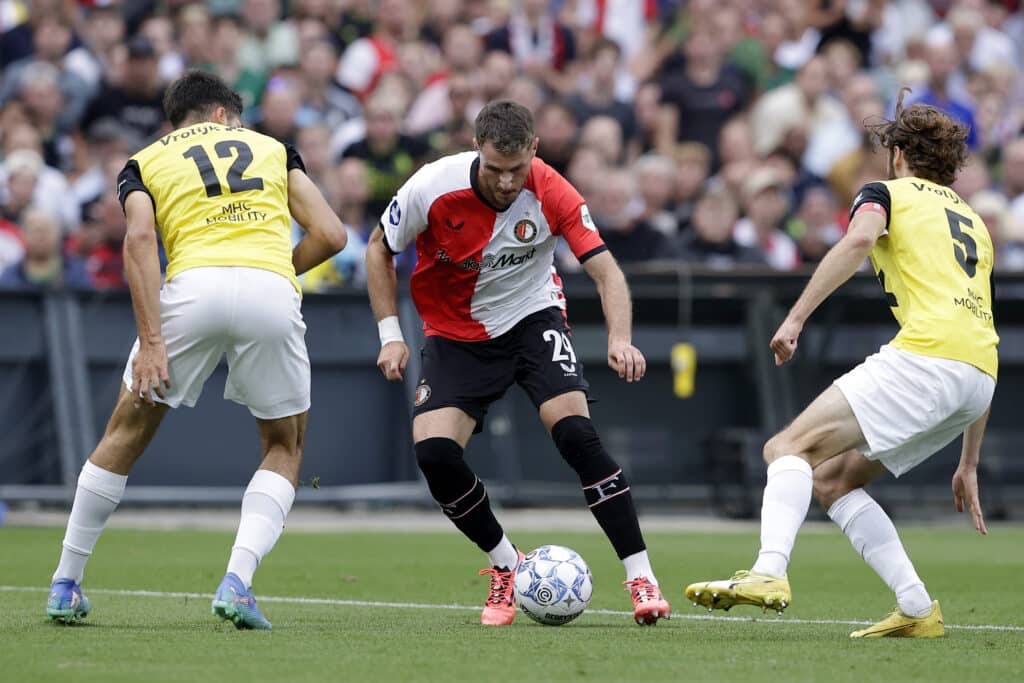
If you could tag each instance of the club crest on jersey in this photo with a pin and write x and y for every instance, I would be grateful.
(525, 231)
(422, 395)
(394, 213)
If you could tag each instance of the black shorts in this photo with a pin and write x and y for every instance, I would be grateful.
(536, 354)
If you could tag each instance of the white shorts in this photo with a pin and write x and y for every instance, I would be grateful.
(253, 316)
(909, 406)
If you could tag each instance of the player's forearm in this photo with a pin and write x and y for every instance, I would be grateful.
(972, 441)
(310, 252)
(838, 266)
(381, 282)
(617, 305)
(142, 270)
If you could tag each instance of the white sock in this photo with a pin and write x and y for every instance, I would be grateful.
(787, 495)
(873, 536)
(504, 554)
(265, 506)
(637, 565)
(98, 493)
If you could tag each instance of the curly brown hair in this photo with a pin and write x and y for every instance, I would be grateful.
(934, 145)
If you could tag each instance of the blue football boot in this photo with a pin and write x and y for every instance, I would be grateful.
(66, 602)
(234, 603)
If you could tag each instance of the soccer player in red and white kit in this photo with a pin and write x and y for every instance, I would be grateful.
(485, 224)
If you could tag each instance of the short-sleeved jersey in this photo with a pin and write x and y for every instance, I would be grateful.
(220, 195)
(935, 264)
(480, 270)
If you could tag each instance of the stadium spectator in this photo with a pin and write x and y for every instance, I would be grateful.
(697, 102)
(526, 91)
(159, 30)
(587, 172)
(368, 58)
(12, 243)
(816, 224)
(51, 189)
(557, 130)
(765, 206)
(21, 174)
(313, 145)
(803, 106)
(103, 34)
(618, 210)
(973, 177)
(195, 34)
(101, 240)
(43, 265)
(279, 110)
(93, 149)
(391, 156)
(1013, 170)
(603, 134)
(541, 45)
(136, 103)
(656, 180)
(433, 107)
(33, 78)
(711, 243)
(497, 72)
(350, 192)
(693, 165)
(456, 134)
(227, 40)
(46, 108)
(332, 104)
(982, 45)
(946, 87)
(267, 41)
(595, 94)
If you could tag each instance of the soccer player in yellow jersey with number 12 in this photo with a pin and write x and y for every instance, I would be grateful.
(932, 383)
(222, 198)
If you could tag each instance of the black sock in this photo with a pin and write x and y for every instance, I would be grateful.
(604, 485)
(457, 489)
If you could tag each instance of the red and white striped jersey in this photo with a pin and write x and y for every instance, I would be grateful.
(480, 271)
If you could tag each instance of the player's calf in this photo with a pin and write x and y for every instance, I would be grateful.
(459, 492)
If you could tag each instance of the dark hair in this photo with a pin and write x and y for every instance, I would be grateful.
(935, 146)
(604, 43)
(506, 125)
(198, 93)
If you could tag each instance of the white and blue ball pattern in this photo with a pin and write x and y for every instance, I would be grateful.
(553, 585)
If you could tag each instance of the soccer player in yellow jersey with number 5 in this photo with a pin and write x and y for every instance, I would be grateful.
(933, 382)
(222, 198)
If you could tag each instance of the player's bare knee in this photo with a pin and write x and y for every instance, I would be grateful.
(776, 447)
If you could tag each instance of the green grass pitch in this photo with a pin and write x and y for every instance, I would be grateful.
(174, 637)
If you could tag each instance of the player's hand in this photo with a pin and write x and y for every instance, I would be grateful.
(149, 373)
(965, 494)
(392, 360)
(626, 359)
(784, 342)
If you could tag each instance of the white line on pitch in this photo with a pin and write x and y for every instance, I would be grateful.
(419, 605)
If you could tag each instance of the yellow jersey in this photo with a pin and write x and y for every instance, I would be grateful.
(935, 264)
(220, 195)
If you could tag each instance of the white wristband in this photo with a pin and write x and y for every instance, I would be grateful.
(389, 330)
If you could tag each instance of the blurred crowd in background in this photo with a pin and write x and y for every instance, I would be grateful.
(721, 133)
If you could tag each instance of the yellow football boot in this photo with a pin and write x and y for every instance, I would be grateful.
(899, 625)
(744, 588)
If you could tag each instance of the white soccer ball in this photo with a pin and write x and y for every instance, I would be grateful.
(553, 585)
